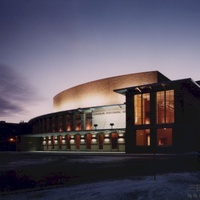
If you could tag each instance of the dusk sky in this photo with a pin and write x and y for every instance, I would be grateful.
(47, 46)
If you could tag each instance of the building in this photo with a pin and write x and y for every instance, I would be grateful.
(9, 134)
(163, 117)
(142, 112)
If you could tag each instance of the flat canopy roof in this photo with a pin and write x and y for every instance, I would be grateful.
(187, 83)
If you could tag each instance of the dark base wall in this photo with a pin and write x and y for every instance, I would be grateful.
(30, 144)
(185, 139)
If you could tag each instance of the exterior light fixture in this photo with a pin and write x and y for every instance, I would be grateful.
(137, 88)
(95, 126)
(111, 124)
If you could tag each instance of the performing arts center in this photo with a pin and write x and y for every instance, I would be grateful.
(141, 112)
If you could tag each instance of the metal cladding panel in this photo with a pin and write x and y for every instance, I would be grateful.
(100, 92)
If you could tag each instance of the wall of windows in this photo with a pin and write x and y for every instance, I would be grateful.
(165, 107)
(164, 113)
(142, 109)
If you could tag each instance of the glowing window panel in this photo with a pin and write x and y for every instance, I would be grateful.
(165, 107)
(143, 137)
(142, 109)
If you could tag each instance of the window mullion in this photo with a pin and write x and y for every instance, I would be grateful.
(142, 120)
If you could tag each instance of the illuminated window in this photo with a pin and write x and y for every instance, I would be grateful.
(143, 137)
(78, 122)
(68, 123)
(164, 137)
(60, 124)
(88, 121)
(142, 109)
(165, 107)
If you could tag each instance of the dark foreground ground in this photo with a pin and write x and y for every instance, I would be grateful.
(24, 171)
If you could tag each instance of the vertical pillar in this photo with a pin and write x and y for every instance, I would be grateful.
(83, 121)
(52, 142)
(130, 138)
(60, 142)
(153, 137)
(47, 142)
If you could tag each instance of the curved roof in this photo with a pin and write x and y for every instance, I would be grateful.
(100, 92)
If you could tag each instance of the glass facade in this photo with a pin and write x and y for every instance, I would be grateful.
(165, 107)
(142, 109)
(164, 114)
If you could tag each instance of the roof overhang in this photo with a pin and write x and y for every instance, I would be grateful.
(187, 83)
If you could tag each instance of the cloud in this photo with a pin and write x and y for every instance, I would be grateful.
(14, 92)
